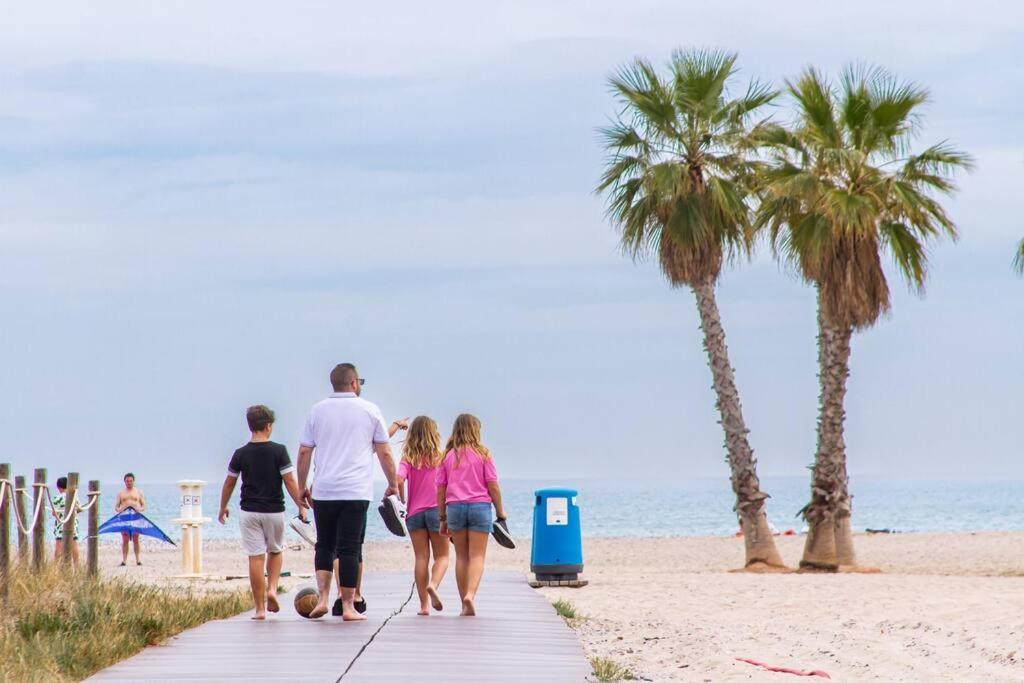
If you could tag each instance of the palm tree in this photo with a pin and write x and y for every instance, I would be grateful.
(677, 185)
(843, 188)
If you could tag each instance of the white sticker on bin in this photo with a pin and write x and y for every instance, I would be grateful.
(558, 511)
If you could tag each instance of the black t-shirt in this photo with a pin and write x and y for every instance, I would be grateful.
(262, 466)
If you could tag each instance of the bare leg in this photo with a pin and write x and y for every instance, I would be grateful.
(323, 586)
(74, 553)
(359, 581)
(348, 608)
(421, 551)
(135, 542)
(461, 539)
(475, 571)
(58, 546)
(274, 561)
(258, 587)
(124, 548)
(440, 546)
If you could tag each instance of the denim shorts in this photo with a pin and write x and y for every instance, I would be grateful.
(428, 520)
(472, 516)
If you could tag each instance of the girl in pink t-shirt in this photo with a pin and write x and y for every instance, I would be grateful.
(467, 487)
(421, 456)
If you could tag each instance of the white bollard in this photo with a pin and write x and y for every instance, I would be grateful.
(191, 520)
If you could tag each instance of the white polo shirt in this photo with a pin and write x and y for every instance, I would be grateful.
(343, 429)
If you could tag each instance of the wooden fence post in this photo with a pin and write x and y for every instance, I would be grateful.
(39, 532)
(94, 527)
(5, 534)
(19, 502)
(69, 526)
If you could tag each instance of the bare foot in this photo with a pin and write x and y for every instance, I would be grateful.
(468, 608)
(435, 599)
(319, 610)
(424, 611)
(260, 616)
(272, 605)
(349, 614)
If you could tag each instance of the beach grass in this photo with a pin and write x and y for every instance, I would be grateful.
(565, 609)
(62, 626)
(609, 671)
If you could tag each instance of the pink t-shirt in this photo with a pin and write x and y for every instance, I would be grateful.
(422, 491)
(466, 483)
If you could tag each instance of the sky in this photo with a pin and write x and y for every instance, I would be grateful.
(208, 205)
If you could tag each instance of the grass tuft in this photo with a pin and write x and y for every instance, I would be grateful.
(60, 626)
(565, 609)
(609, 671)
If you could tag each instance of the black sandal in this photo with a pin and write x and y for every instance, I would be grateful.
(336, 609)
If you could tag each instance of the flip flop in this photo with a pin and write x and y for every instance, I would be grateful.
(502, 535)
(392, 511)
(305, 530)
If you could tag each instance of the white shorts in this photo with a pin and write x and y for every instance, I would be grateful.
(262, 532)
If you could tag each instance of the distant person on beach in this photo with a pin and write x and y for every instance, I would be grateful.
(467, 487)
(59, 504)
(421, 456)
(340, 438)
(264, 467)
(130, 497)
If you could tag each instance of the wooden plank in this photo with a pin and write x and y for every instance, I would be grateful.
(512, 620)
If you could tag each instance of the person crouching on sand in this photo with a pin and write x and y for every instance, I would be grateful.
(467, 486)
(421, 456)
(263, 466)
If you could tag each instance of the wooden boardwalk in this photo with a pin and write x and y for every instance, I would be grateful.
(516, 637)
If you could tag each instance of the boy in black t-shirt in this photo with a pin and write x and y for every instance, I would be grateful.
(263, 466)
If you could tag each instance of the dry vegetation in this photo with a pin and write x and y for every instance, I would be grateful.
(63, 627)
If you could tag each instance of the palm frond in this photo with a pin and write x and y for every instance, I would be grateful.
(1018, 259)
(815, 102)
(907, 250)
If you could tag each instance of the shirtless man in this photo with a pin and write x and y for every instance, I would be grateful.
(130, 497)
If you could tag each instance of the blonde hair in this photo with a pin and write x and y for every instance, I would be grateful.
(423, 444)
(466, 434)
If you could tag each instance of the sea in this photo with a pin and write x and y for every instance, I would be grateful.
(695, 507)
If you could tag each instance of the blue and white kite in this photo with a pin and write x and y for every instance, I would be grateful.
(131, 522)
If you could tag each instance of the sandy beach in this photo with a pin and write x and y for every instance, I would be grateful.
(946, 607)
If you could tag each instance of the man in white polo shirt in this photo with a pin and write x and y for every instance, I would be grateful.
(341, 436)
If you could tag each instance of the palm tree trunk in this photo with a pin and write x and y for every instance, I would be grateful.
(829, 540)
(759, 544)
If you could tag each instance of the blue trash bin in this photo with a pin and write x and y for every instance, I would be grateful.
(557, 552)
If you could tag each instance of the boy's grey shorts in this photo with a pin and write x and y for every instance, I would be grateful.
(262, 532)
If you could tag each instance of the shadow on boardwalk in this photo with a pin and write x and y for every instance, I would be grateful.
(516, 637)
